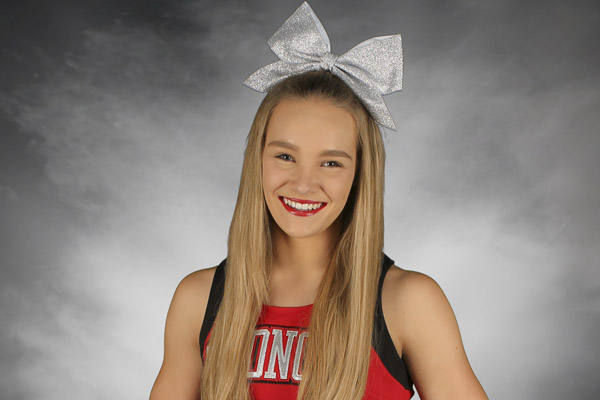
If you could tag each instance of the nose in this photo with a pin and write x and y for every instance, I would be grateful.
(305, 179)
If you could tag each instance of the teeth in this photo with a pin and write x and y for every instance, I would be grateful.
(302, 207)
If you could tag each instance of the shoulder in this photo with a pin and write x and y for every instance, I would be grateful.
(425, 333)
(404, 285)
(196, 284)
(412, 292)
(191, 295)
(412, 300)
(182, 366)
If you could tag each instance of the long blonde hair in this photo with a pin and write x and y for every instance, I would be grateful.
(337, 353)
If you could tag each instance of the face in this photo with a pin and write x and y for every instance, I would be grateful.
(308, 163)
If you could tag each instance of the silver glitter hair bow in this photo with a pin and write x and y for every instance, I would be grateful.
(371, 69)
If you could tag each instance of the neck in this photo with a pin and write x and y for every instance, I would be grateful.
(303, 256)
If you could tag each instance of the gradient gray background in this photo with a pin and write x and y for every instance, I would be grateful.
(123, 126)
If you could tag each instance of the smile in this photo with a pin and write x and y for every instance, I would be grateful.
(302, 208)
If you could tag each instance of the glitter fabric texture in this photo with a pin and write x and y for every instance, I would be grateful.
(371, 69)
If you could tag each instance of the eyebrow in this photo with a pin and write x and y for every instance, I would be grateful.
(291, 146)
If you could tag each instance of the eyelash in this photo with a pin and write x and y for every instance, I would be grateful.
(284, 157)
(287, 157)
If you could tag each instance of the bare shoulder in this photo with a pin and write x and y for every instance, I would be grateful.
(181, 369)
(191, 295)
(409, 298)
(414, 292)
(197, 284)
(410, 286)
(426, 334)
(198, 280)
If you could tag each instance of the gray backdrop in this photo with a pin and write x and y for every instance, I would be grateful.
(123, 126)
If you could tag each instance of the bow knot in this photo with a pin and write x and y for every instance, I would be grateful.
(328, 61)
(371, 69)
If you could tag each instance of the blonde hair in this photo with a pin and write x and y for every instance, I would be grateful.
(337, 353)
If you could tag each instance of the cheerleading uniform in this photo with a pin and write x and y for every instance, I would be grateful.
(280, 338)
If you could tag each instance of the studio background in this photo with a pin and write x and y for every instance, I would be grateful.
(123, 125)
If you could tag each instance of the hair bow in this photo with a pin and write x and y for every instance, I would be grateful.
(371, 69)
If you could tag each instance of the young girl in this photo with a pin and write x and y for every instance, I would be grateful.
(306, 305)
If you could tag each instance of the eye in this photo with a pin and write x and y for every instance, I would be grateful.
(332, 164)
(284, 157)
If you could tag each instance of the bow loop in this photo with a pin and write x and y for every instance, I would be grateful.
(378, 61)
(301, 38)
(371, 69)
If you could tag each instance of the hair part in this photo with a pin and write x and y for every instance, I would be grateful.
(341, 325)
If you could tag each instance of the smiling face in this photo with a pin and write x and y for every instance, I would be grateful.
(308, 165)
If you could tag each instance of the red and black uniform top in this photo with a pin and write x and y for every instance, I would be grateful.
(279, 341)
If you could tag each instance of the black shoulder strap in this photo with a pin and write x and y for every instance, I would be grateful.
(382, 340)
(386, 263)
(214, 300)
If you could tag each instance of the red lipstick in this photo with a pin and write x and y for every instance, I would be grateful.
(302, 213)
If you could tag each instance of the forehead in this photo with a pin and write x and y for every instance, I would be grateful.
(312, 123)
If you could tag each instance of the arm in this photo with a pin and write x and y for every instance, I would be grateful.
(179, 375)
(426, 334)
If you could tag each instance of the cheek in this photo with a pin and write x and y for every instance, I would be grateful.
(341, 186)
(272, 178)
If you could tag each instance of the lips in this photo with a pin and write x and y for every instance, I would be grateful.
(301, 208)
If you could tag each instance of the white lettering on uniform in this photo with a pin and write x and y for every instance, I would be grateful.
(280, 354)
(261, 355)
(298, 357)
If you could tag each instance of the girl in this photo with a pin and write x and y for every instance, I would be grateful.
(306, 305)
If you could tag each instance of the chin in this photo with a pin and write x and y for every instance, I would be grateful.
(301, 231)
(298, 232)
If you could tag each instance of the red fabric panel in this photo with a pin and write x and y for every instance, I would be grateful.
(275, 371)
